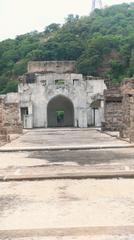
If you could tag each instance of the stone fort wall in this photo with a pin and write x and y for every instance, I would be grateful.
(119, 109)
(113, 109)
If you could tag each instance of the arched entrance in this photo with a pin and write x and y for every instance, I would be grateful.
(60, 112)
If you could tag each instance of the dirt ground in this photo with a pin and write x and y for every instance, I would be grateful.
(66, 204)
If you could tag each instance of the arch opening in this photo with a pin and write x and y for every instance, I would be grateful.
(60, 112)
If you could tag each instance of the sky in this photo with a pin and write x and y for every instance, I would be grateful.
(21, 16)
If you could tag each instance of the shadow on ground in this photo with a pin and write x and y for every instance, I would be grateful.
(84, 157)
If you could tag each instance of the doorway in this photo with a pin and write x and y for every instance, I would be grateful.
(60, 112)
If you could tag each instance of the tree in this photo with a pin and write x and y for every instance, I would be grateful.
(53, 27)
(102, 44)
(11, 86)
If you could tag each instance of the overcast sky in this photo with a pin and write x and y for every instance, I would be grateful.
(22, 16)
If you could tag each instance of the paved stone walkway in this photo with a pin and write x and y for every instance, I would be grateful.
(75, 137)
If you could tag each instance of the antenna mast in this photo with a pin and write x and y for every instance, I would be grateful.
(96, 4)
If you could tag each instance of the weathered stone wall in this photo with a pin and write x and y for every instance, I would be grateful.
(119, 109)
(125, 125)
(9, 116)
(45, 82)
(3, 131)
(38, 91)
(4, 137)
(127, 89)
(51, 67)
(113, 111)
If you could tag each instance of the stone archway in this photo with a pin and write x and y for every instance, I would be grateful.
(60, 112)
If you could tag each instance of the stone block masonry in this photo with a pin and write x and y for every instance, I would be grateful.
(113, 109)
(52, 66)
(127, 89)
(119, 109)
(9, 119)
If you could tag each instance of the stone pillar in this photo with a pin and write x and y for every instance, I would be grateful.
(131, 130)
(3, 131)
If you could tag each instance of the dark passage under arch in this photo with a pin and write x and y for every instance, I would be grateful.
(60, 112)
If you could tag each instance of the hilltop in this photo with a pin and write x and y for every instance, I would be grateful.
(102, 45)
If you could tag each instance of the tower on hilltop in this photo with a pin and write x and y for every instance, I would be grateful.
(96, 4)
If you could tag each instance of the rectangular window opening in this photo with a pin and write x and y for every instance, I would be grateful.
(59, 82)
(75, 81)
(30, 78)
(43, 82)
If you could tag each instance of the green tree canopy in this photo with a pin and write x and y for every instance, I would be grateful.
(102, 45)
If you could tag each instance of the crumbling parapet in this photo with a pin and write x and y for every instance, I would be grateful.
(52, 67)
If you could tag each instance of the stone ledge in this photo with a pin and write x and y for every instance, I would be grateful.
(74, 231)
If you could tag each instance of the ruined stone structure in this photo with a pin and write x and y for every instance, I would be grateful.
(119, 109)
(113, 109)
(3, 131)
(53, 94)
(9, 114)
(127, 90)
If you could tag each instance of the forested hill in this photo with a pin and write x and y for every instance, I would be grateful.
(102, 44)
